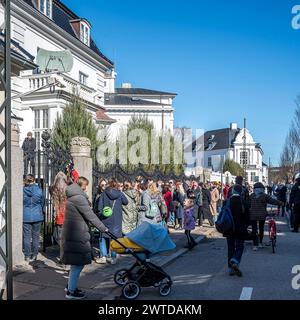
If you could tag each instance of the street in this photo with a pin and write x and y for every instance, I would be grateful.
(201, 274)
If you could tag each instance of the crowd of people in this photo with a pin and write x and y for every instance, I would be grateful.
(120, 207)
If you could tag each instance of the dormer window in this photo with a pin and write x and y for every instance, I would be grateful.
(45, 7)
(85, 33)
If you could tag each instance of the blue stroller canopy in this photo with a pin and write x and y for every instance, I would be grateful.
(152, 237)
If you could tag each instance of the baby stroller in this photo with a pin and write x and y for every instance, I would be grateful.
(142, 243)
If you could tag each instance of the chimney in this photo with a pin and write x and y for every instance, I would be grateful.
(233, 126)
(126, 85)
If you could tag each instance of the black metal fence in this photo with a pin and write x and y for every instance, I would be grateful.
(118, 172)
(49, 161)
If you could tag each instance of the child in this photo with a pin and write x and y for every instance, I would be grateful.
(189, 222)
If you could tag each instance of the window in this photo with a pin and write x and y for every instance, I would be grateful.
(46, 7)
(209, 162)
(253, 177)
(41, 123)
(41, 119)
(244, 157)
(83, 78)
(85, 34)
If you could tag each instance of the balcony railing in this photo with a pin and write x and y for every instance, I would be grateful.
(66, 84)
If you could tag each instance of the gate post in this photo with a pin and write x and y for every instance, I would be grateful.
(17, 195)
(81, 154)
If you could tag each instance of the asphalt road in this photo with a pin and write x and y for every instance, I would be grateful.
(202, 273)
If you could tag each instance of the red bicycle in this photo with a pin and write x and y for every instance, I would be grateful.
(272, 230)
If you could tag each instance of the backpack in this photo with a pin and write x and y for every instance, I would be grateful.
(225, 221)
(153, 211)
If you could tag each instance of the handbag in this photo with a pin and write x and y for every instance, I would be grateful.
(108, 211)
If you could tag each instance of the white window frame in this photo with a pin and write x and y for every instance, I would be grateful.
(83, 76)
(243, 158)
(85, 33)
(48, 4)
(41, 126)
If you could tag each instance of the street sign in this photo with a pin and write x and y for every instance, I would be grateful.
(54, 61)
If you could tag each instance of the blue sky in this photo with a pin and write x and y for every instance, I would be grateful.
(226, 59)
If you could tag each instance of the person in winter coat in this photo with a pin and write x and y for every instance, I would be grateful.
(29, 146)
(112, 197)
(205, 209)
(236, 236)
(130, 211)
(76, 249)
(167, 195)
(281, 194)
(258, 212)
(189, 222)
(33, 205)
(215, 197)
(101, 188)
(178, 199)
(59, 199)
(295, 203)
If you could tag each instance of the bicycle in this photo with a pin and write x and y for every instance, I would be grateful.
(272, 230)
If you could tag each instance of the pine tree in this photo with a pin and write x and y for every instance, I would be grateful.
(75, 121)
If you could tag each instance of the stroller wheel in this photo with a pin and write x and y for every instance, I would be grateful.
(121, 277)
(131, 290)
(156, 285)
(164, 289)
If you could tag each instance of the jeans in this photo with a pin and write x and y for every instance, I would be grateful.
(74, 275)
(31, 238)
(104, 244)
(235, 249)
(261, 231)
(29, 160)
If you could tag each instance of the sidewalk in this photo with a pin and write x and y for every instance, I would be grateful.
(46, 280)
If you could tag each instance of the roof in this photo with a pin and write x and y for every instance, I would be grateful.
(61, 16)
(141, 91)
(19, 53)
(102, 117)
(120, 100)
(219, 139)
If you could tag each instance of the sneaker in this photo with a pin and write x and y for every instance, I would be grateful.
(76, 295)
(113, 260)
(66, 289)
(255, 248)
(235, 267)
(231, 272)
(33, 259)
(101, 260)
(260, 246)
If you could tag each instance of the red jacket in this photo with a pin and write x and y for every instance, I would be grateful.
(168, 198)
(60, 214)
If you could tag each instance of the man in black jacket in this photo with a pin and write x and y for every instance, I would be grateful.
(295, 203)
(29, 146)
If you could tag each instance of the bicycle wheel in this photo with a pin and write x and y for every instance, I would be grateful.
(273, 244)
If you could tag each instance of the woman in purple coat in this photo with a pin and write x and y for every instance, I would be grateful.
(189, 222)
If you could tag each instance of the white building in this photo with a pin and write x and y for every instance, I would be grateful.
(228, 143)
(50, 25)
(123, 103)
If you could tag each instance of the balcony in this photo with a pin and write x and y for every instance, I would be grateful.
(43, 82)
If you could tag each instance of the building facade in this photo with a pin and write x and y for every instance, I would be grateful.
(123, 103)
(38, 97)
(234, 144)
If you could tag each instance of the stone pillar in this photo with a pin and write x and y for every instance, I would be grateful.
(17, 195)
(81, 153)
